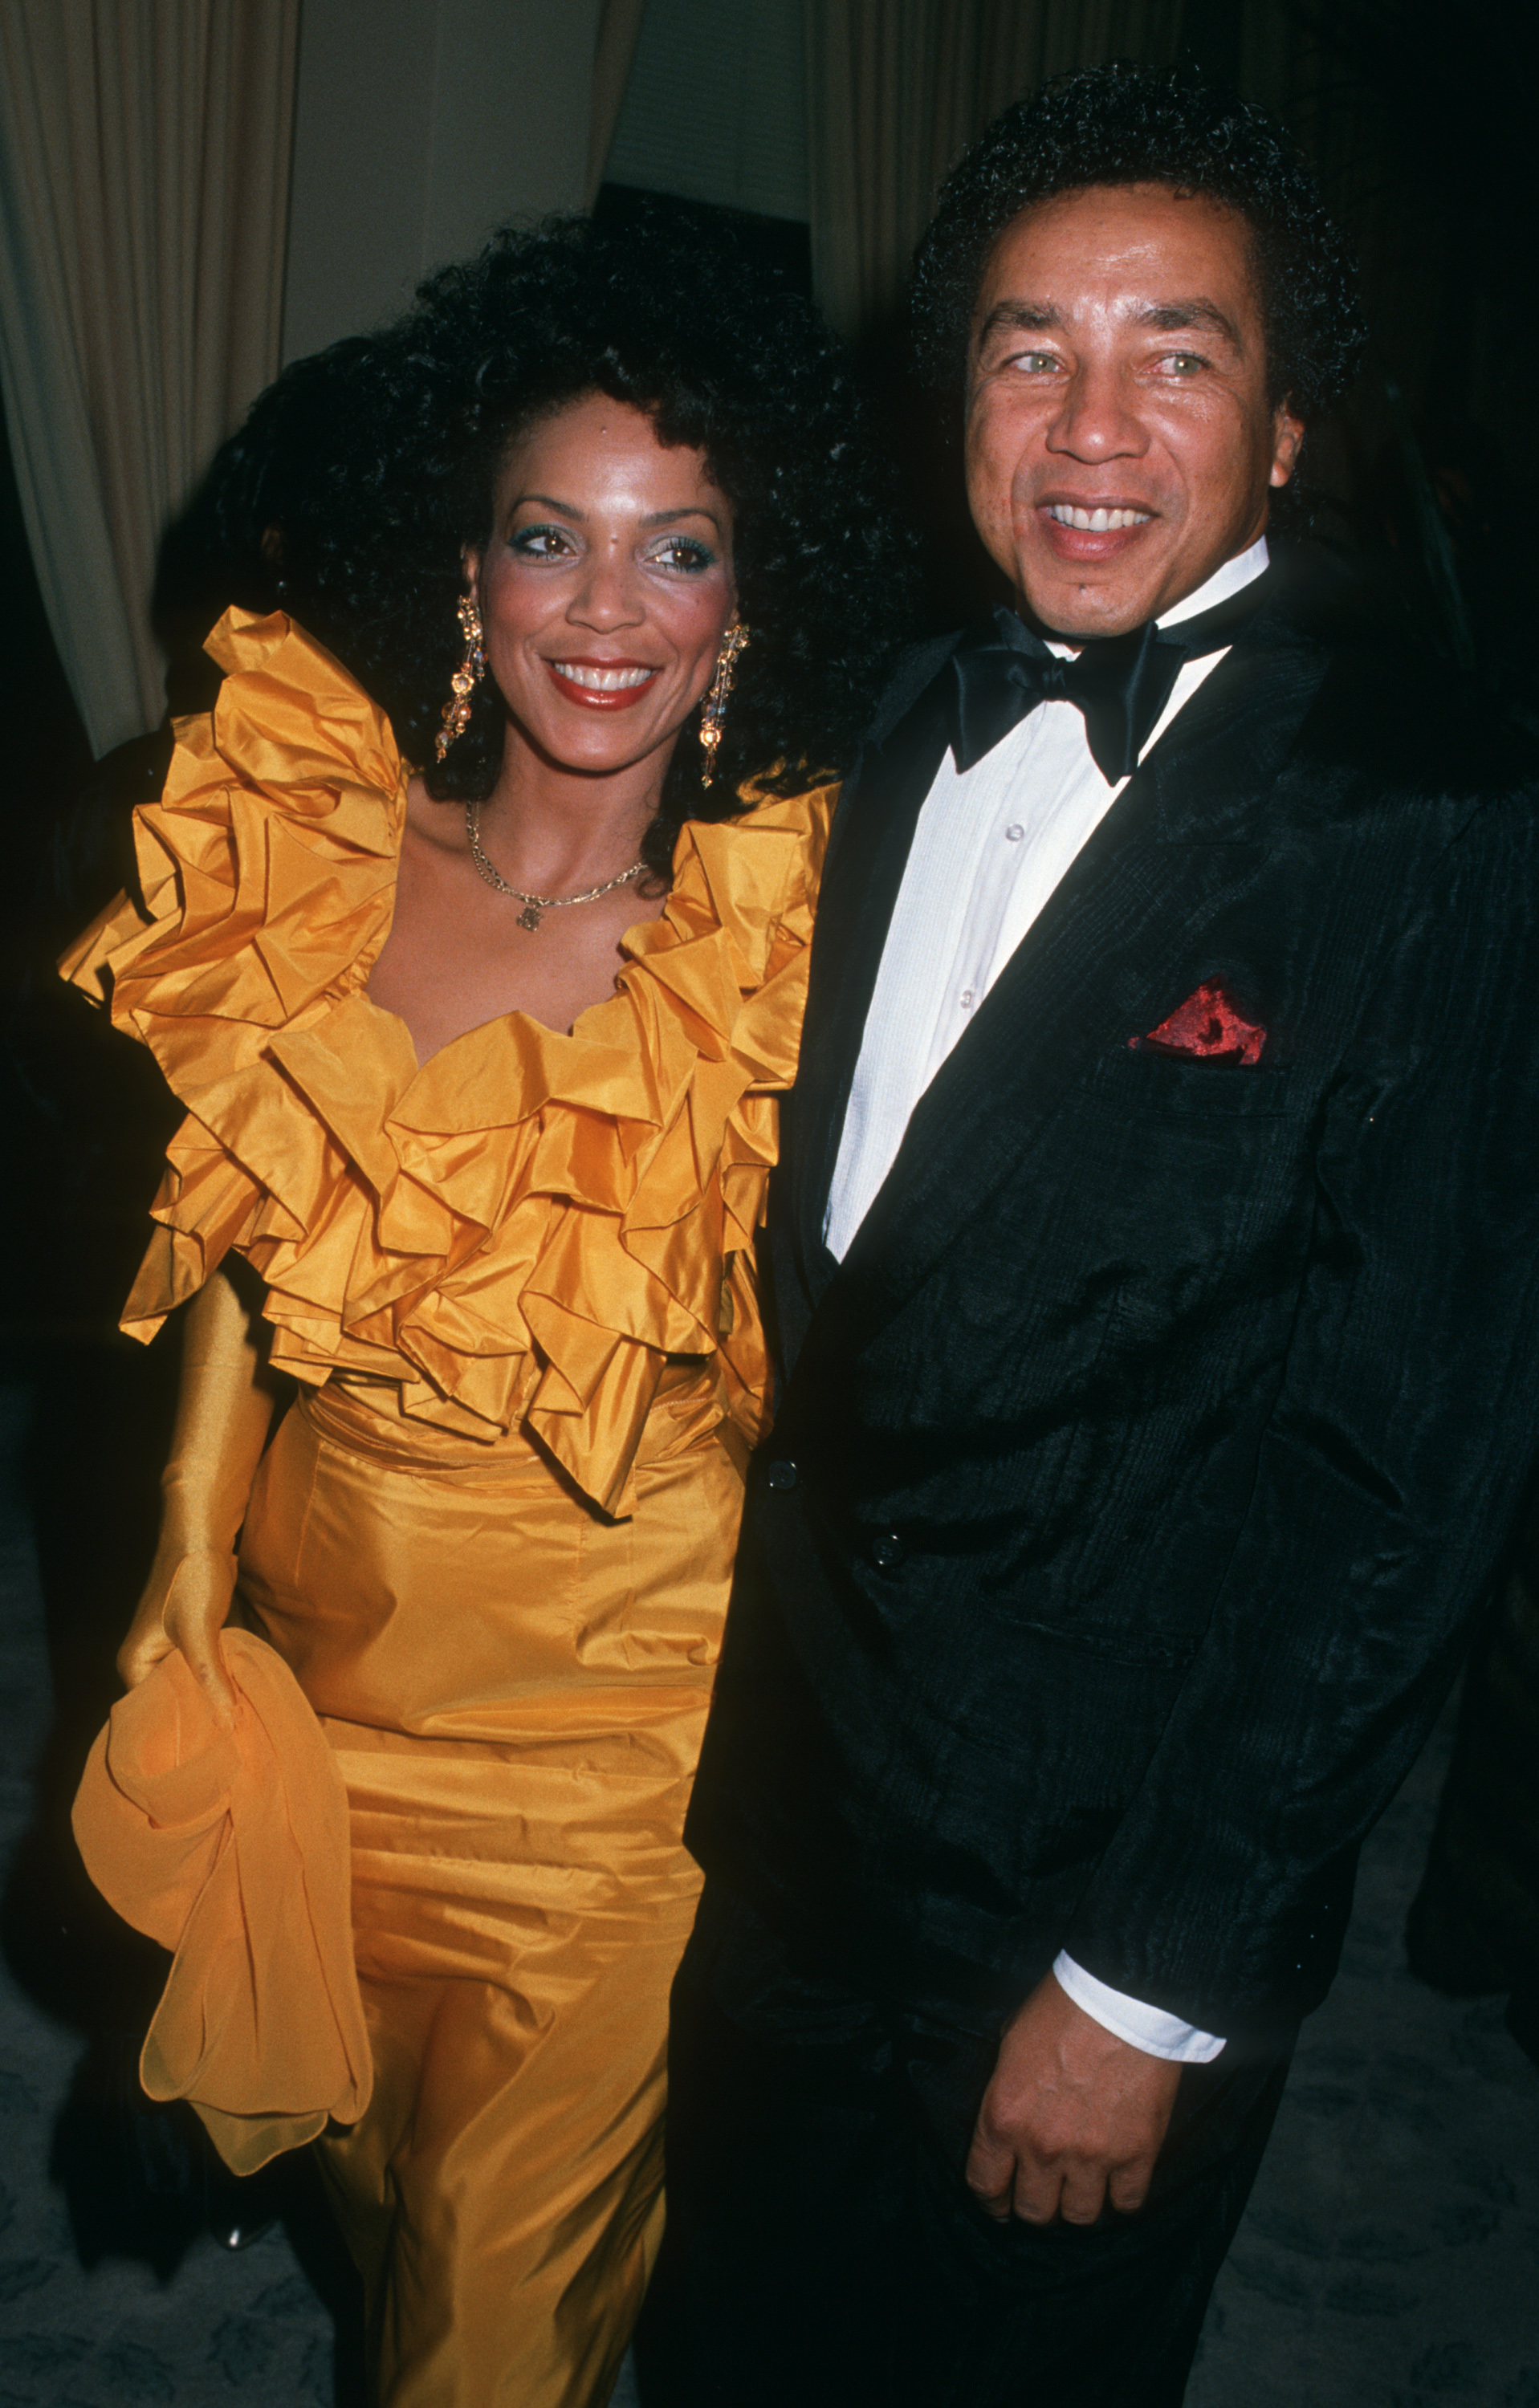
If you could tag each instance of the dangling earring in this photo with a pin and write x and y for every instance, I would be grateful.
(456, 713)
(733, 642)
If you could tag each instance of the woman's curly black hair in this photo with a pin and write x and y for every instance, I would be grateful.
(278, 469)
(670, 312)
(1124, 123)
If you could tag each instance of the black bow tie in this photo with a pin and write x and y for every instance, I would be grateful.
(1120, 683)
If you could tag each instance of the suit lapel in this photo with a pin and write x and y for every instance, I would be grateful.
(873, 832)
(1183, 834)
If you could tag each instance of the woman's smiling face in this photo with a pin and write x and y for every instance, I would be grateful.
(607, 585)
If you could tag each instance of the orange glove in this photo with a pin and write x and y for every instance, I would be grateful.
(224, 1410)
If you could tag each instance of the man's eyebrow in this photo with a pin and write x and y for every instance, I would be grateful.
(1022, 317)
(1169, 317)
(1172, 317)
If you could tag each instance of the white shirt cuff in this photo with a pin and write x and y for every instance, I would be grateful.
(1146, 2027)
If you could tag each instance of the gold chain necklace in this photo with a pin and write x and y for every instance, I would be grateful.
(535, 903)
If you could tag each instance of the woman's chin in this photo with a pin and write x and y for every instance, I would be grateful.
(599, 749)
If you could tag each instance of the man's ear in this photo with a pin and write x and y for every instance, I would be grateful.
(1287, 434)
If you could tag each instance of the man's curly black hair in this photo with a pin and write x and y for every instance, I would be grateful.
(668, 311)
(1124, 123)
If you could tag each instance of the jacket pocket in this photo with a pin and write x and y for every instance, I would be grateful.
(1183, 1088)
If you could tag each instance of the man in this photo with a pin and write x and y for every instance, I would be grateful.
(1156, 1239)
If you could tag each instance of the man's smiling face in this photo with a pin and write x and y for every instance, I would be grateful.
(1120, 442)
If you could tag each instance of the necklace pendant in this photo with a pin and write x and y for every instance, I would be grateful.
(529, 917)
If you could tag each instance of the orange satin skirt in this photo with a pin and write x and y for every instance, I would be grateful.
(515, 1687)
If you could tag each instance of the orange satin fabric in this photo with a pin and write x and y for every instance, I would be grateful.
(515, 1687)
(494, 1539)
(517, 1233)
(231, 1848)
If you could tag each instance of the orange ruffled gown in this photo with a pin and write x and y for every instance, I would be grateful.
(492, 1538)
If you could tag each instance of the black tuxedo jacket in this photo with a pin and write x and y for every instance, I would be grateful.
(1133, 1478)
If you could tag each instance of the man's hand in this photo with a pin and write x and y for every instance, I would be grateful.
(1073, 2118)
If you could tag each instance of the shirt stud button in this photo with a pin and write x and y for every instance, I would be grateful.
(782, 1475)
(965, 998)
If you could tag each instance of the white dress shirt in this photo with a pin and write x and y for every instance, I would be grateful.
(990, 847)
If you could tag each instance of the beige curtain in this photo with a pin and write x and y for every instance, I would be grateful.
(614, 54)
(144, 185)
(897, 90)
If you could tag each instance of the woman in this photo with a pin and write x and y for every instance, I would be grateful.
(480, 1003)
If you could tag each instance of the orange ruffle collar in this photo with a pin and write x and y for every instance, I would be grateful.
(520, 1231)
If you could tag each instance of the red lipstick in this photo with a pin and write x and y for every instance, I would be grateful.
(640, 677)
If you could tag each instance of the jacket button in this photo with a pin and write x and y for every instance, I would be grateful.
(888, 1551)
(783, 1475)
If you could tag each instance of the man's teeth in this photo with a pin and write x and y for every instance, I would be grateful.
(601, 680)
(1096, 521)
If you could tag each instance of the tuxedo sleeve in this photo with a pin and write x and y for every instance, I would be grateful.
(1387, 1480)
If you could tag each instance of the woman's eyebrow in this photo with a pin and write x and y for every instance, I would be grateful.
(547, 502)
(687, 510)
(654, 518)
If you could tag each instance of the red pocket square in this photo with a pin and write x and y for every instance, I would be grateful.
(1207, 1028)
